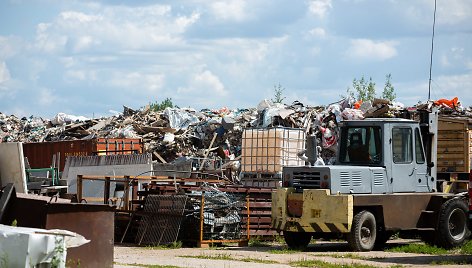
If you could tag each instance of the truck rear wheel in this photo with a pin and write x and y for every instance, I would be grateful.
(297, 240)
(452, 226)
(363, 232)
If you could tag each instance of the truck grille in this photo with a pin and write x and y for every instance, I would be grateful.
(306, 179)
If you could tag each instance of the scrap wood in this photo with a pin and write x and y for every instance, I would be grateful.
(159, 157)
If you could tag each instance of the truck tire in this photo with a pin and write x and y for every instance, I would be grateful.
(452, 225)
(297, 240)
(363, 232)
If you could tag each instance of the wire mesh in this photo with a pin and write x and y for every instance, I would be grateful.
(162, 217)
(221, 214)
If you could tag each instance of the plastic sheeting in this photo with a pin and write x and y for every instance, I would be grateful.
(62, 118)
(180, 118)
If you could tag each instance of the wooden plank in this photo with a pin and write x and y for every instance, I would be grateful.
(451, 125)
(450, 143)
(451, 156)
(445, 150)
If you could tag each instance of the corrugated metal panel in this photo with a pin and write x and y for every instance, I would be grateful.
(40, 154)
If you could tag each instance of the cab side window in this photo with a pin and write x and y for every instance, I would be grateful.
(402, 145)
(419, 148)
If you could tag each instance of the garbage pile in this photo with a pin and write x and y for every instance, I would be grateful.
(179, 132)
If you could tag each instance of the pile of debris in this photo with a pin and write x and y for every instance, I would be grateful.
(178, 132)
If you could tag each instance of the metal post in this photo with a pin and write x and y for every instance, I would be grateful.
(106, 190)
(126, 194)
(247, 222)
(79, 188)
(202, 204)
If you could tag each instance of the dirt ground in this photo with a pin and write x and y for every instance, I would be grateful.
(244, 257)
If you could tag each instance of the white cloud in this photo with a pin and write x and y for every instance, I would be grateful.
(9, 46)
(371, 50)
(319, 7)
(318, 32)
(46, 42)
(4, 73)
(73, 76)
(138, 82)
(71, 16)
(47, 97)
(207, 79)
(114, 28)
(453, 12)
(444, 86)
(229, 10)
(83, 42)
(204, 83)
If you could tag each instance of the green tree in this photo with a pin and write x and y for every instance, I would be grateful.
(161, 106)
(365, 89)
(278, 94)
(389, 91)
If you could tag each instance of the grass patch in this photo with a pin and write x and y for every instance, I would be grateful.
(284, 250)
(322, 264)
(146, 265)
(258, 242)
(342, 256)
(466, 248)
(420, 249)
(228, 257)
(173, 245)
(257, 260)
(209, 257)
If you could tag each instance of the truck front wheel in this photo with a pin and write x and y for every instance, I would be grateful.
(297, 240)
(452, 226)
(363, 232)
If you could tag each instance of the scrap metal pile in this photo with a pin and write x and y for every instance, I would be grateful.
(177, 132)
(221, 214)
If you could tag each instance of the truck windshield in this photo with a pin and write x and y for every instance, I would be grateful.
(361, 145)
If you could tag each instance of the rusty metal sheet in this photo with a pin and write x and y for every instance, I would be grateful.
(94, 222)
(40, 154)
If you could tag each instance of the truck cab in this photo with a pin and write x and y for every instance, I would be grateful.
(374, 156)
(383, 181)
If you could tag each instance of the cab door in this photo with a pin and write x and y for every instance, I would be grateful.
(422, 178)
(403, 177)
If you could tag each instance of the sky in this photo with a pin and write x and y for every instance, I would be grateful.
(90, 58)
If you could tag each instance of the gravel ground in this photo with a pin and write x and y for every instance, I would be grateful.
(332, 252)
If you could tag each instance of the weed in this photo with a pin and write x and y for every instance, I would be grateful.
(147, 265)
(209, 257)
(173, 245)
(256, 241)
(420, 249)
(342, 256)
(257, 260)
(59, 250)
(284, 250)
(322, 264)
(228, 257)
(466, 248)
(279, 239)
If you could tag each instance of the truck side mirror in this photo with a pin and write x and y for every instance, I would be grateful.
(431, 164)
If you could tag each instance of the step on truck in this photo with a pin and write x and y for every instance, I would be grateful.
(383, 182)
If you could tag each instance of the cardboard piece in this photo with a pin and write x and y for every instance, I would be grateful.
(12, 166)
